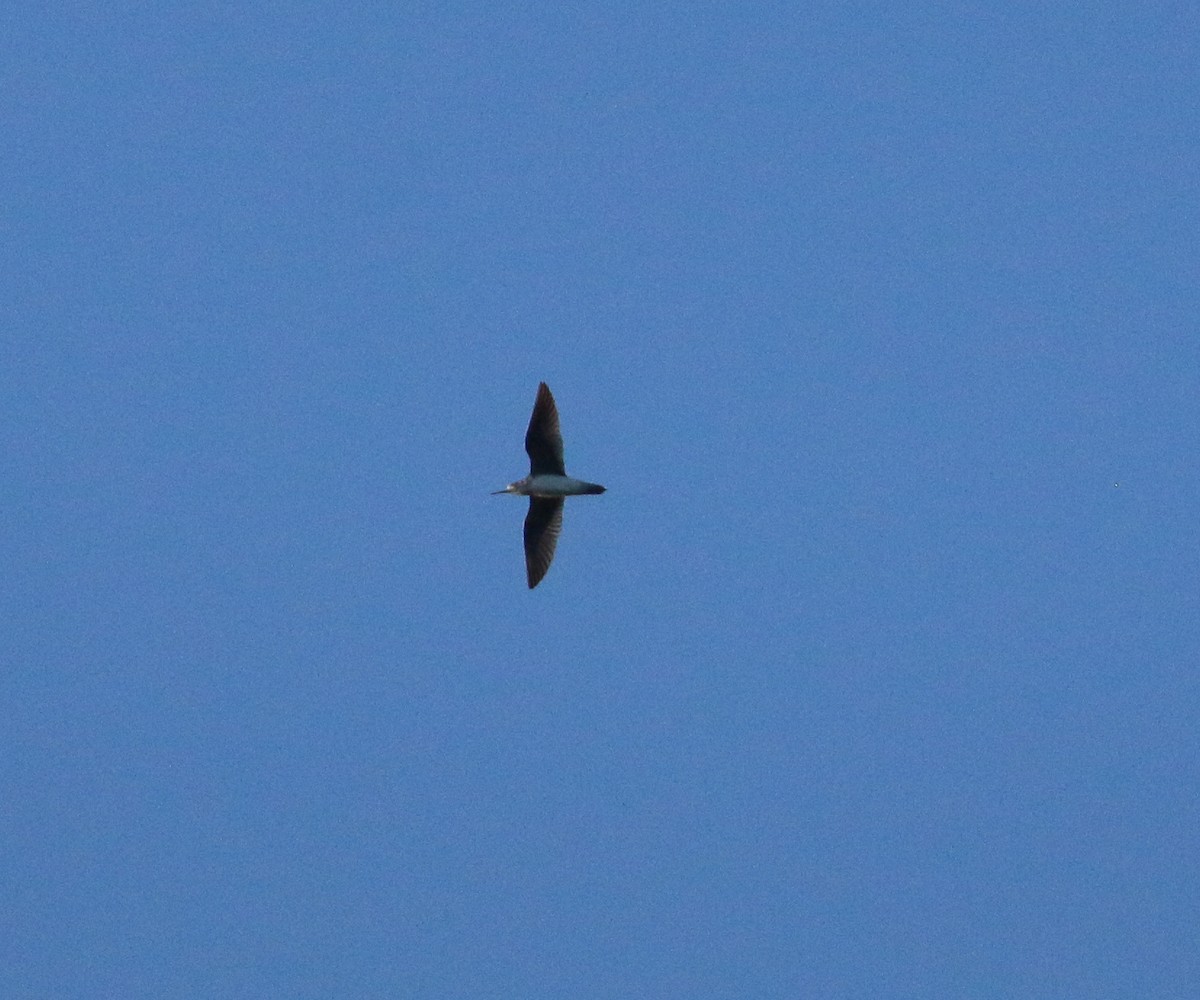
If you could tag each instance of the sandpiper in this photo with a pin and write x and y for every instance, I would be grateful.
(546, 486)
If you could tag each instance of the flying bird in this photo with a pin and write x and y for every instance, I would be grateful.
(546, 486)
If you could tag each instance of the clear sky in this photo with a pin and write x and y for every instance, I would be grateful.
(874, 674)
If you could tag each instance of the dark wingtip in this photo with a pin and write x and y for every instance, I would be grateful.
(595, 488)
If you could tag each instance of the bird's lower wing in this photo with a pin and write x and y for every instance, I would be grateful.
(542, 525)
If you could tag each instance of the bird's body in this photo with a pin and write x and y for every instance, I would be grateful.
(546, 486)
(549, 485)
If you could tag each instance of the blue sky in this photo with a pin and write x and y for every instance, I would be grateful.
(874, 673)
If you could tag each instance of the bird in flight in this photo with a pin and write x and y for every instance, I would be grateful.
(546, 486)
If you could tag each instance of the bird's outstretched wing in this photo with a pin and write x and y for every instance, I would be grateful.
(542, 525)
(543, 439)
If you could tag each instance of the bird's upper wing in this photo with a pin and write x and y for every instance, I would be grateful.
(543, 440)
